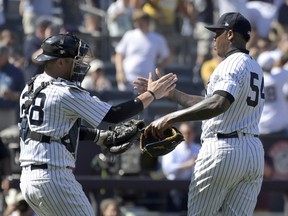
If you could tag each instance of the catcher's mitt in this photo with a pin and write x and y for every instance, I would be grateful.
(122, 137)
(159, 147)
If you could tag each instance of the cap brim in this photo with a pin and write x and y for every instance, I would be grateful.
(42, 57)
(214, 27)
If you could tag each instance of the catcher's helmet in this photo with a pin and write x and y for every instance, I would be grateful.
(66, 46)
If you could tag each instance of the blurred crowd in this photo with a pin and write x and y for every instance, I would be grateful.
(133, 37)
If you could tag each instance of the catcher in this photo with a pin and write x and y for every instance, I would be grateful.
(52, 106)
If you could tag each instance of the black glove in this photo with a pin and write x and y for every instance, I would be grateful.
(159, 147)
(122, 137)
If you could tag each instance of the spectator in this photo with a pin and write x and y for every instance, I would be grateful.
(110, 207)
(282, 15)
(16, 205)
(225, 6)
(53, 29)
(5, 174)
(31, 11)
(13, 42)
(202, 13)
(164, 13)
(2, 14)
(262, 44)
(11, 84)
(274, 118)
(179, 164)
(119, 18)
(139, 52)
(95, 79)
(32, 46)
(261, 15)
(92, 22)
(186, 31)
(167, 15)
(209, 65)
(273, 123)
(119, 21)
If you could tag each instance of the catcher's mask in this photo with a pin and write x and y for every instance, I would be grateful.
(67, 46)
(158, 147)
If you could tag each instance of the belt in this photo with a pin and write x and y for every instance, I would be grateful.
(38, 166)
(42, 166)
(45, 139)
(233, 134)
(40, 137)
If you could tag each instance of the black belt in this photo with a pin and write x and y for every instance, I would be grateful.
(233, 134)
(47, 139)
(42, 166)
(39, 137)
(38, 166)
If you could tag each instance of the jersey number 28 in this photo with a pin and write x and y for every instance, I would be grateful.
(36, 113)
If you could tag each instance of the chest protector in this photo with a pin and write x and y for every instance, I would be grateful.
(70, 141)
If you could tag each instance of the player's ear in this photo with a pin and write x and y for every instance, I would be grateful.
(230, 34)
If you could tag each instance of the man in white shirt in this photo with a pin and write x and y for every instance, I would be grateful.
(139, 52)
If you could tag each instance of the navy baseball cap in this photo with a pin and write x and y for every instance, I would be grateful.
(234, 21)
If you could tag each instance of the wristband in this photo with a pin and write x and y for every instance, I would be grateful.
(152, 93)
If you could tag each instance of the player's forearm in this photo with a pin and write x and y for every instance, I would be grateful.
(146, 99)
(119, 112)
(203, 110)
(88, 134)
(184, 99)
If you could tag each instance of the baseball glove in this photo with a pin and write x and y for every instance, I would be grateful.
(122, 137)
(159, 147)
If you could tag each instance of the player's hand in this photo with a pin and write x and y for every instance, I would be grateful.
(157, 127)
(169, 94)
(161, 87)
(141, 85)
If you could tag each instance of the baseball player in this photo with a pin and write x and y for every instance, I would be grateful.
(51, 105)
(229, 169)
(274, 118)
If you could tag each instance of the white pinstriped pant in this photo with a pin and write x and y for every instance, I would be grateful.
(54, 192)
(228, 176)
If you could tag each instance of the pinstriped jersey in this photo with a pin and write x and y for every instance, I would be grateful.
(241, 76)
(53, 113)
(274, 117)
